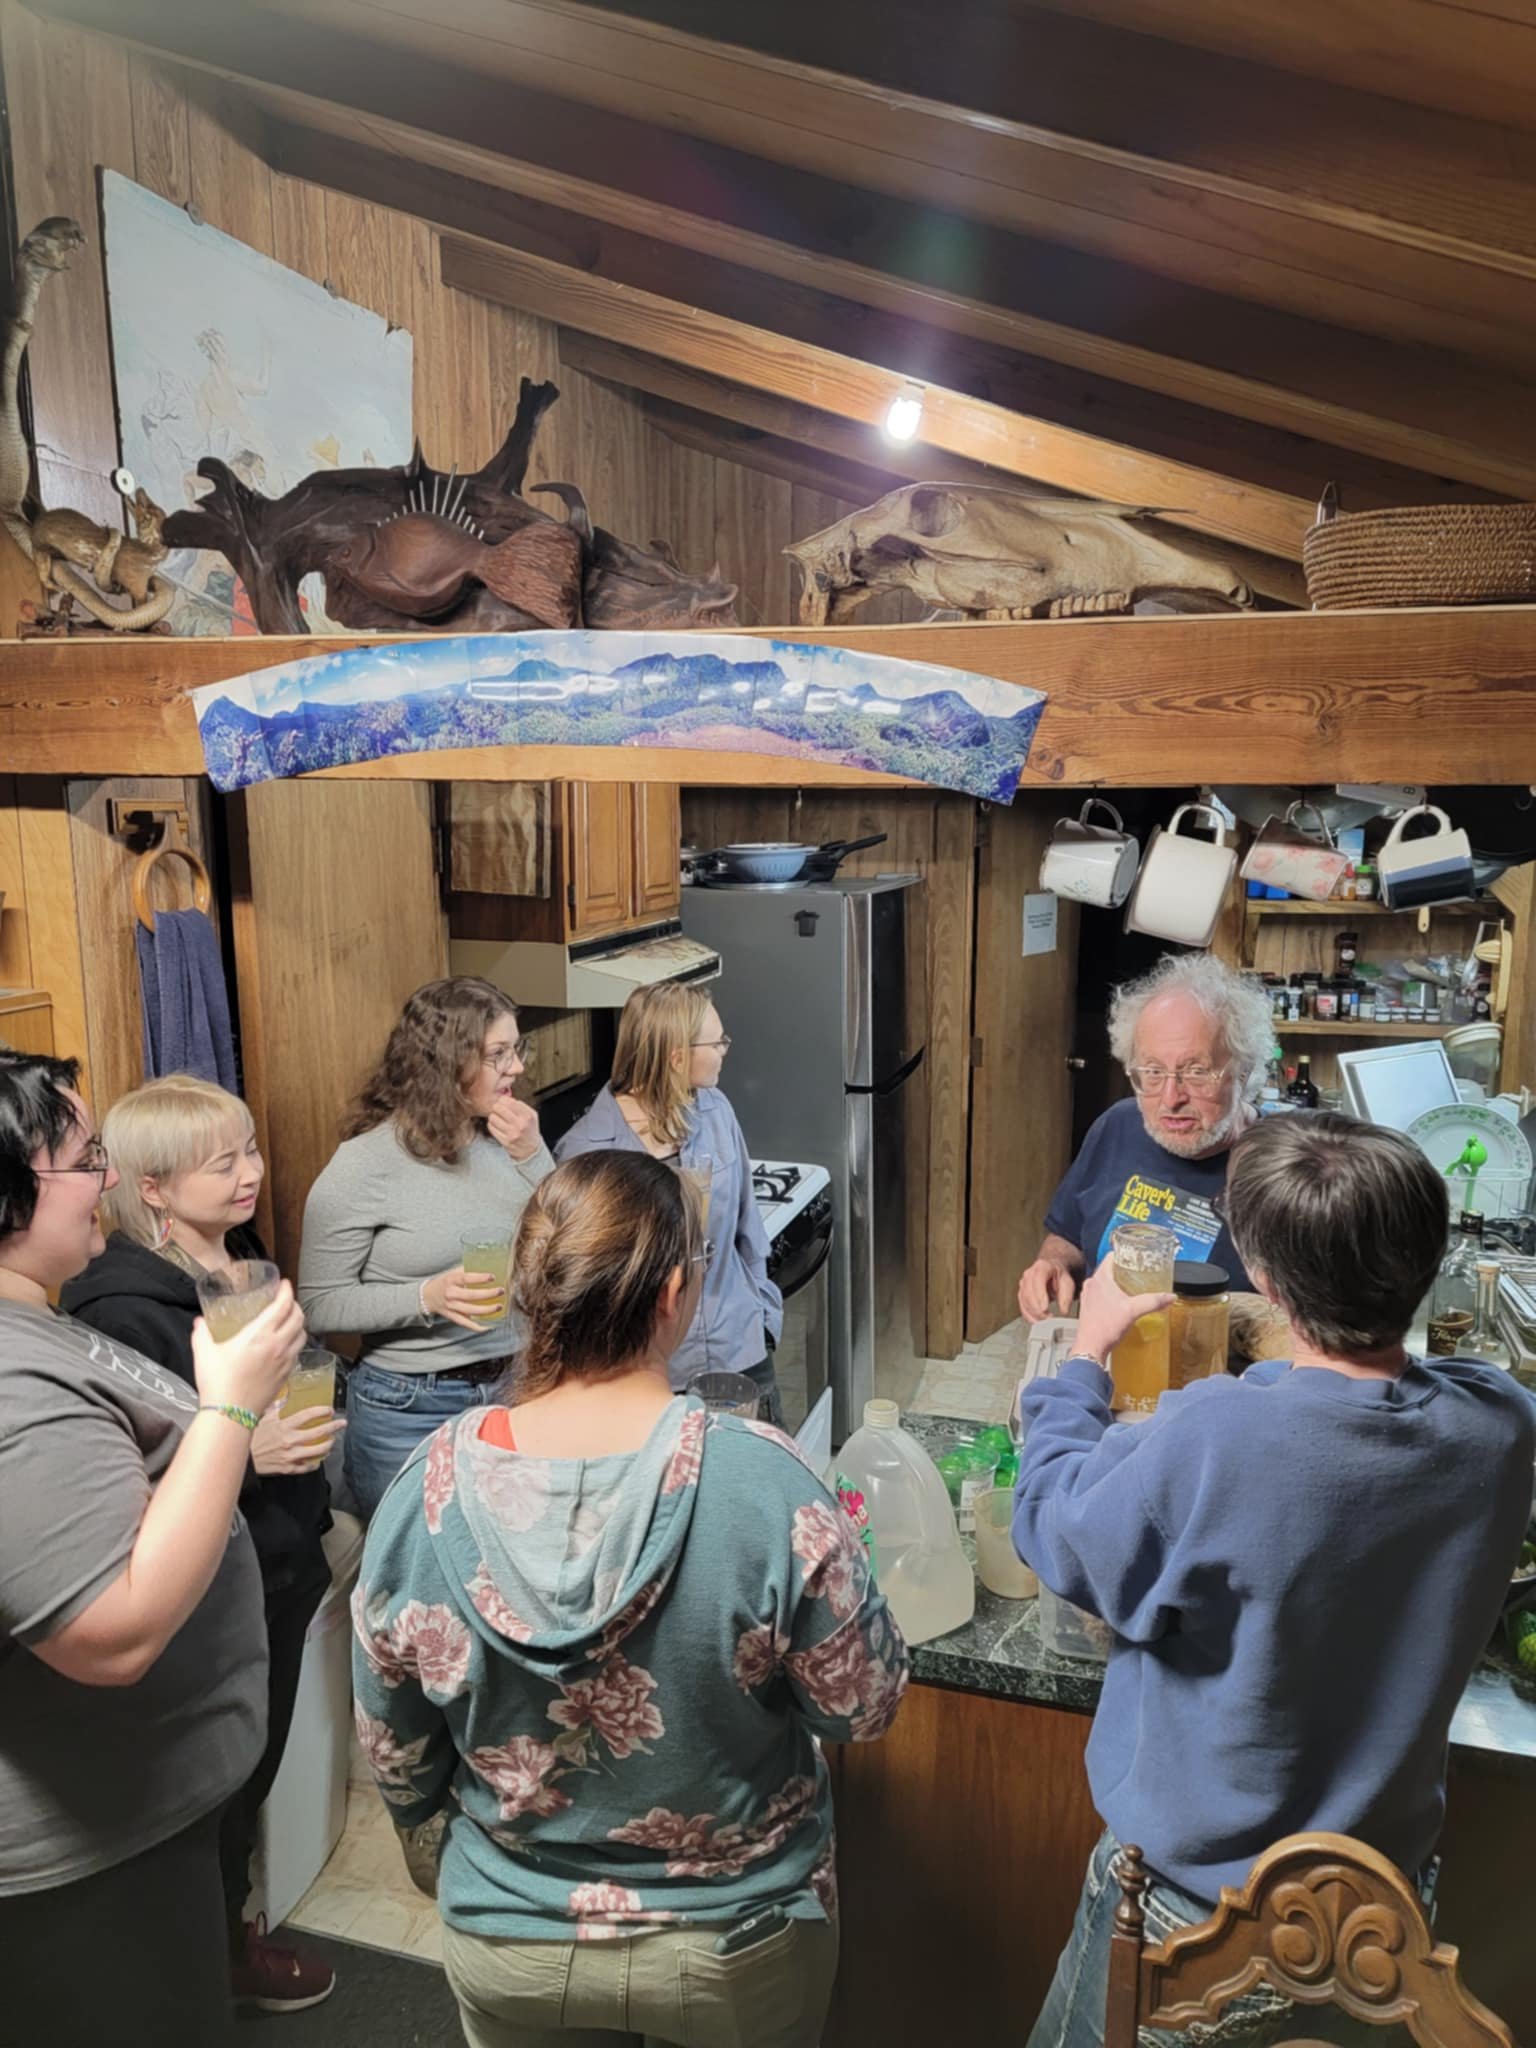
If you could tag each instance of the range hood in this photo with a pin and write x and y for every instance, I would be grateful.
(595, 974)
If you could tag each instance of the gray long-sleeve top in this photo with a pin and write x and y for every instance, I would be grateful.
(378, 1223)
(739, 1303)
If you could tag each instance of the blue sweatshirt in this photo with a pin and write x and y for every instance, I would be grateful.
(1301, 1571)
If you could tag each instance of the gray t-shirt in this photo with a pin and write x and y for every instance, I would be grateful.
(378, 1223)
(93, 1774)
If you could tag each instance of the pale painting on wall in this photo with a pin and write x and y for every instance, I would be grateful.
(219, 351)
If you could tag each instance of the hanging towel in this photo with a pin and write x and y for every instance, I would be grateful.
(184, 1002)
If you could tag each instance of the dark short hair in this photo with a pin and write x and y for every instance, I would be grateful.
(35, 1116)
(1347, 1222)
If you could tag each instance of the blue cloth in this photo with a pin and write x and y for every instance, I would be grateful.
(1122, 1175)
(389, 1414)
(183, 1000)
(1301, 1571)
(739, 1308)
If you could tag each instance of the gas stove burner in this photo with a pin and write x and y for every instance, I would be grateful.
(775, 1183)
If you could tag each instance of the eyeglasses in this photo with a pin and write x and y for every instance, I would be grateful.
(1196, 1080)
(703, 1257)
(711, 1044)
(93, 1160)
(506, 1059)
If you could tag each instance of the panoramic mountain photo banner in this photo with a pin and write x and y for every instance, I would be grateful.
(711, 693)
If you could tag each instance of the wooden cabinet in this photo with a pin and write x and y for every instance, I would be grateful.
(560, 861)
(657, 835)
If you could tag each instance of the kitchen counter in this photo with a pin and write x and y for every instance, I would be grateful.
(999, 1654)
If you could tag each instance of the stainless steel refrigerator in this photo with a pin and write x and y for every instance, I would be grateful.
(823, 994)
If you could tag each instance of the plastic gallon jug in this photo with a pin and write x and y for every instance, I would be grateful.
(922, 1570)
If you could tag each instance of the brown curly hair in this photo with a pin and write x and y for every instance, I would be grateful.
(599, 1239)
(419, 1082)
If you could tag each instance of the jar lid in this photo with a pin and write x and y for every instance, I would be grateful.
(1195, 1277)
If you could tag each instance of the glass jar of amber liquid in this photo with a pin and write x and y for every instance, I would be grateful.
(1197, 1322)
(1143, 1255)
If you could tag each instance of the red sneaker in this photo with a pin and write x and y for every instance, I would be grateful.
(276, 1979)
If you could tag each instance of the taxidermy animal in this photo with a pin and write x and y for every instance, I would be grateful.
(994, 553)
(641, 590)
(61, 543)
(420, 564)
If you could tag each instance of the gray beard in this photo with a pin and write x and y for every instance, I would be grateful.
(1215, 1138)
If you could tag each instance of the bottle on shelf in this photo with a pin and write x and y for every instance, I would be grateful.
(1302, 1093)
(1272, 1093)
(1487, 1340)
(1453, 1297)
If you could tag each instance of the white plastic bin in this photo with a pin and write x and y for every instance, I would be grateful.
(306, 1809)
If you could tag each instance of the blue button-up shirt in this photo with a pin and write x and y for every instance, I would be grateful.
(739, 1303)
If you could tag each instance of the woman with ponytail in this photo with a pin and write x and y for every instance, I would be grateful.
(599, 1630)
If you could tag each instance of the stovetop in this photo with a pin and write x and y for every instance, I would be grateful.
(783, 1188)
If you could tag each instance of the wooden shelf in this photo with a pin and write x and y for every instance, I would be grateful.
(1299, 907)
(1309, 1028)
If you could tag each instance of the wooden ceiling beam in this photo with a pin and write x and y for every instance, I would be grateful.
(840, 384)
(793, 462)
(1429, 415)
(773, 423)
(1329, 259)
(1461, 55)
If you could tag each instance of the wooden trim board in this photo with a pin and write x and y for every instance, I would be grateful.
(1444, 696)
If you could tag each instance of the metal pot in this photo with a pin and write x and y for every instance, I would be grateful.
(779, 864)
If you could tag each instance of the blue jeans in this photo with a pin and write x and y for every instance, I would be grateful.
(389, 1414)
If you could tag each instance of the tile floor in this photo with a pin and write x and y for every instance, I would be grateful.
(364, 1894)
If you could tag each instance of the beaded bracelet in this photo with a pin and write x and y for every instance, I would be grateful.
(243, 1416)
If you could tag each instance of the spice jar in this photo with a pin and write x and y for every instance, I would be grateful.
(1365, 880)
(1346, 951)
(1325, 1004)
(1197, 1322)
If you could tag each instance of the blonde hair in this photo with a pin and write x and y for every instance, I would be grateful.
(599, 1239)
(657, 1022)
(163, 1129)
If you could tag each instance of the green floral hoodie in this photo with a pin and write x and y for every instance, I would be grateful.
(610, 1672)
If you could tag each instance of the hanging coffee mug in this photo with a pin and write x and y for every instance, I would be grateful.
(1431, 867)
(1091, 863)
(1183, 882)
(1285, 857)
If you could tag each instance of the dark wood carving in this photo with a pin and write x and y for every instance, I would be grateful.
(1322, 1920)
(413, 546)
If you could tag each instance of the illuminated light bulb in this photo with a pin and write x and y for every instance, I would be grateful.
(906, 414)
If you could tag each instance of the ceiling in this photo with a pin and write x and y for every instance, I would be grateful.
(1198, 255)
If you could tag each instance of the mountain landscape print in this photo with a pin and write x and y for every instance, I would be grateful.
(704, 691)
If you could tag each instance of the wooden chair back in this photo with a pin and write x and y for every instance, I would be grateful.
(1322, 1920)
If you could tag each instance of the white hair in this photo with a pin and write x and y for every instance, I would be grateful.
(1234, 1003)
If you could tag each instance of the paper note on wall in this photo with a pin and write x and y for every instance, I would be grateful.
(1039, 924)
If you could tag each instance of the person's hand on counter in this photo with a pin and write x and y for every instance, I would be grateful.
(1106, 1314)
(515, 1127)
(1049, 1286)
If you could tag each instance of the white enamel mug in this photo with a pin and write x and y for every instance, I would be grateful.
(1285, 856)
(1091, 863)
(1433, 867)
(1183, 881)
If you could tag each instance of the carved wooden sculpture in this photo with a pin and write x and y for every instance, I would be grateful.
(994, 553)
(1322, 1921)
(61, 543)
(415, 546)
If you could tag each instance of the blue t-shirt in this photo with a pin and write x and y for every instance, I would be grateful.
(1122, 1175)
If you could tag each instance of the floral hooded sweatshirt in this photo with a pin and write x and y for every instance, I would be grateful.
(609, 1672)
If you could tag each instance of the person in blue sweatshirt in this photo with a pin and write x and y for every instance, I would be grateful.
(1301, 1567)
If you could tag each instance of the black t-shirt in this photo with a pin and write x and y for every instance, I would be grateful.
(1122, 1175)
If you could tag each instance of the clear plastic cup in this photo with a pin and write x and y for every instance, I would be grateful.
(236, 1296)
(312, 1383)
(727, 1393)
(998, 1565)
(489, 1258)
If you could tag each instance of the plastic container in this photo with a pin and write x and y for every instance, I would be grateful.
(1070, 1632)
(998, 1565)
(1197, 1322)
(306, 1810)
(923, 1570)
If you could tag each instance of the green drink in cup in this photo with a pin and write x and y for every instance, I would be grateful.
(236, 1296)
(489, 1258)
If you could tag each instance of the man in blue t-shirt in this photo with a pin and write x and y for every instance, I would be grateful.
(1194, 1038)
(1266, 1549)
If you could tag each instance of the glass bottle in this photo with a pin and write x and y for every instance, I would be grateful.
(1453, 1297)
(1303, 1089)
(1487, 1340)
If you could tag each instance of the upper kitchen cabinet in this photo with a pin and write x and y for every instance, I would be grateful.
(576, 859)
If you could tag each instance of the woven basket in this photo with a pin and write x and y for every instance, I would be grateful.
(1422, 554)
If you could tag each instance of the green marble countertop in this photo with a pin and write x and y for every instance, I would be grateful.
(999, 1653)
